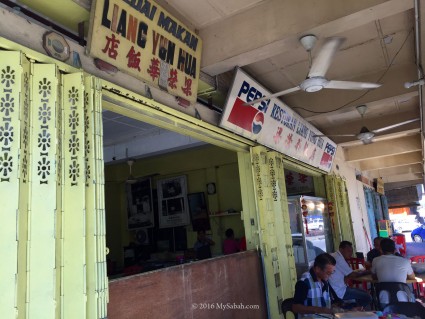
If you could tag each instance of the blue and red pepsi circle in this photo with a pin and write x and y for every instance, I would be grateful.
(258, 122)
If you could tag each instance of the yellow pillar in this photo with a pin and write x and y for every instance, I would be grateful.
(275, 233)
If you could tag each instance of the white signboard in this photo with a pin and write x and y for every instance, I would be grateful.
(274, 124)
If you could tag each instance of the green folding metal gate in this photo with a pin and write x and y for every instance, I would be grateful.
(52, 234)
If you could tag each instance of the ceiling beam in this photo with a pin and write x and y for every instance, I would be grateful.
(381, 149)
(402, 177)
(414, 168)
(391, 161)
(370, 105)
(281, 28)
(390, 186)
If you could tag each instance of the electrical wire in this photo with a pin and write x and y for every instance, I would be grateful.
(364, 94)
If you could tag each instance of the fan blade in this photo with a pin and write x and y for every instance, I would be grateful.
(349, 85)
(386, 128)
(323, 135)
(267, 97)
(323, 60)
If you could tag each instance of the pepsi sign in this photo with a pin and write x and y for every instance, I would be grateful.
(273, 124)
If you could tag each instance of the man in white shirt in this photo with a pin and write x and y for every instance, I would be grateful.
(392, 268)
(389, 267)
(344, 272)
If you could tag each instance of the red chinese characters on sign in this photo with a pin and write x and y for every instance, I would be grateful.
(302, 178)
(305, 148)
(298, 145)
(288, 141)
(277, 137)
(111, 46)
(172, 79)
(313, 155)
(154, 69)
(187, 88)
(133, 59)
(289, 178)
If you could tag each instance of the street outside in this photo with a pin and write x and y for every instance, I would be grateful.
(413, 249)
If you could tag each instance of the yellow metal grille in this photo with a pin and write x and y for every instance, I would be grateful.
(275, 233)
(52, 234)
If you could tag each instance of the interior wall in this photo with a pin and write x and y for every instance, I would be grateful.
(356, 198)
(202, 165)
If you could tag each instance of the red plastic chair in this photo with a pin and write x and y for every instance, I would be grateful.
(419, 287)
(355, 264)
(418, 259)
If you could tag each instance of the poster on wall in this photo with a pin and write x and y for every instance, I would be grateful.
(274, 124)
(143, 40)
(172, 202)
(139, 204)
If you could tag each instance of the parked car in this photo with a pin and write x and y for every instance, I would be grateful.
(418, 234)
(405, 225)
(315, 223)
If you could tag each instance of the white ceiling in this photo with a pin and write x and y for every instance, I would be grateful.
(262, 38)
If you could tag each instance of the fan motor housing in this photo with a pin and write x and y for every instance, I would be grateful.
(313, 84)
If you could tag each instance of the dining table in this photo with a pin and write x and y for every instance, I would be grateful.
(419, 278)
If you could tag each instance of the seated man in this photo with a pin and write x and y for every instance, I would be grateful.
(344, 272)
(390, 267)
(312, 291)
(375, 252)
(202, 246)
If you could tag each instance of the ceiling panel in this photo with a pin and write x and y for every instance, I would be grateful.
(229, 8)
(201, 14)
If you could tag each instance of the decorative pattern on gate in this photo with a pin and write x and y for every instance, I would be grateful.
(273, 179)
(257, 172)
(7, 107)
(44, 117)
(74, 141)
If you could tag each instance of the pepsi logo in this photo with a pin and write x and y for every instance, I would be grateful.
(258, 122)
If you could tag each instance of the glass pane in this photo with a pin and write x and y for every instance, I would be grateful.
(310, 229)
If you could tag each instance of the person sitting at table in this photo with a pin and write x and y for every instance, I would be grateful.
(230, 244)
(343, 272)
(312, 291)
(389, 267)
(375, 252)
(203, 246)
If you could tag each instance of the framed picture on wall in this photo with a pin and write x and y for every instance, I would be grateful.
(139, 204)
(172, 202)
(198, 211)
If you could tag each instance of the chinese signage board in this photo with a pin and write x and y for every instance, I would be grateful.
(275, 125)
(142, 39)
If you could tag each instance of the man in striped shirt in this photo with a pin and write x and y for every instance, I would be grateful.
(312, 291)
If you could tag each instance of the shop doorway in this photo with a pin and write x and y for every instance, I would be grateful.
(156, 205)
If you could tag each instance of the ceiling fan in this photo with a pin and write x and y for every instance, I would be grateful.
(365, 135)
(316, 80)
